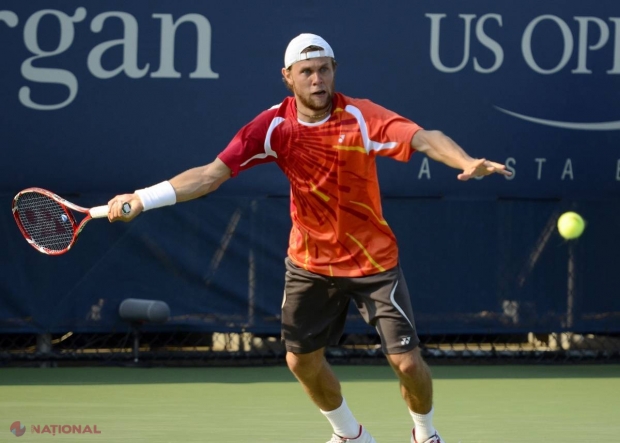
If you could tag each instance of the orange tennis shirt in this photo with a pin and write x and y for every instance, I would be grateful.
(338, 225)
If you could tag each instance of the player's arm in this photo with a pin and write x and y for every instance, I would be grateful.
(442, 148)
(188, 185)
(200, 181)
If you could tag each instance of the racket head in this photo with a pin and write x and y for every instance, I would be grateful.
(45, 220)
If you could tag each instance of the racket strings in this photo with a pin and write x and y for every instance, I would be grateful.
(45, 221)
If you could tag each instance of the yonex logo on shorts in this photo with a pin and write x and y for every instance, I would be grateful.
(405, 341)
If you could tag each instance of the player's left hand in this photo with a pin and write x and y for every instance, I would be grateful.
(482, 167)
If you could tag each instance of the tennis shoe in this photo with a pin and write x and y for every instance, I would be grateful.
(363, 437)
(434, 439)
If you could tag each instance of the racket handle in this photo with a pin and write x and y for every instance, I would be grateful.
(99, 211)
(102, 211)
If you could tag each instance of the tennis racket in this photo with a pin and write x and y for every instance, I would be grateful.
(47, 221)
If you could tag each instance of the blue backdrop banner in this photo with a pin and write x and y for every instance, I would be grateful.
(103, 97)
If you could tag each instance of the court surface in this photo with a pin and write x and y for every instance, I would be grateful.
(474, 404)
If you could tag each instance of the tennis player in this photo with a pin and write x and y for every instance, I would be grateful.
(340, 248)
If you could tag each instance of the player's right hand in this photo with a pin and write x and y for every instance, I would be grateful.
(115, 207)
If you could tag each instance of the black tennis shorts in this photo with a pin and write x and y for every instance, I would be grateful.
(314, 309)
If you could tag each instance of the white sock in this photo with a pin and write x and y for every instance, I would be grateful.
(423, 425)
(342, 420)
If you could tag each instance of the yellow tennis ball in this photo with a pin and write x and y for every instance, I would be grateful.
(571, 225)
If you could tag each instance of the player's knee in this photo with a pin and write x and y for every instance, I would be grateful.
(408, 364)
(304, 365)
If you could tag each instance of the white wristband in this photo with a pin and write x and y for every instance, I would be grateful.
(162, 194)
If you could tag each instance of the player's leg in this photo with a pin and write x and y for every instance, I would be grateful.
(416, 386)
(384, 302)
(317, 378)
(313, 315)
(415, 380)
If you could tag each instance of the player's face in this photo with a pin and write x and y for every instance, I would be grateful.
(312, 82)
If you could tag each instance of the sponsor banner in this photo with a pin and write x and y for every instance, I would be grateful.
(110, 95)
(103, 97)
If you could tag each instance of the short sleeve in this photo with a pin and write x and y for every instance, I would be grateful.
(388, 134)
(247, 148)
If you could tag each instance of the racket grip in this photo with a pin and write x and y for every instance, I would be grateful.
(99, 211)
(102, 211)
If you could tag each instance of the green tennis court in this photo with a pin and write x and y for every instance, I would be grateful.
(474, 404)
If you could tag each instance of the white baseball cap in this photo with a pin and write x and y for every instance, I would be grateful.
(294, 50)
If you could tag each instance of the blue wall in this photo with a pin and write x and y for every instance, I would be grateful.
(96, 100)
